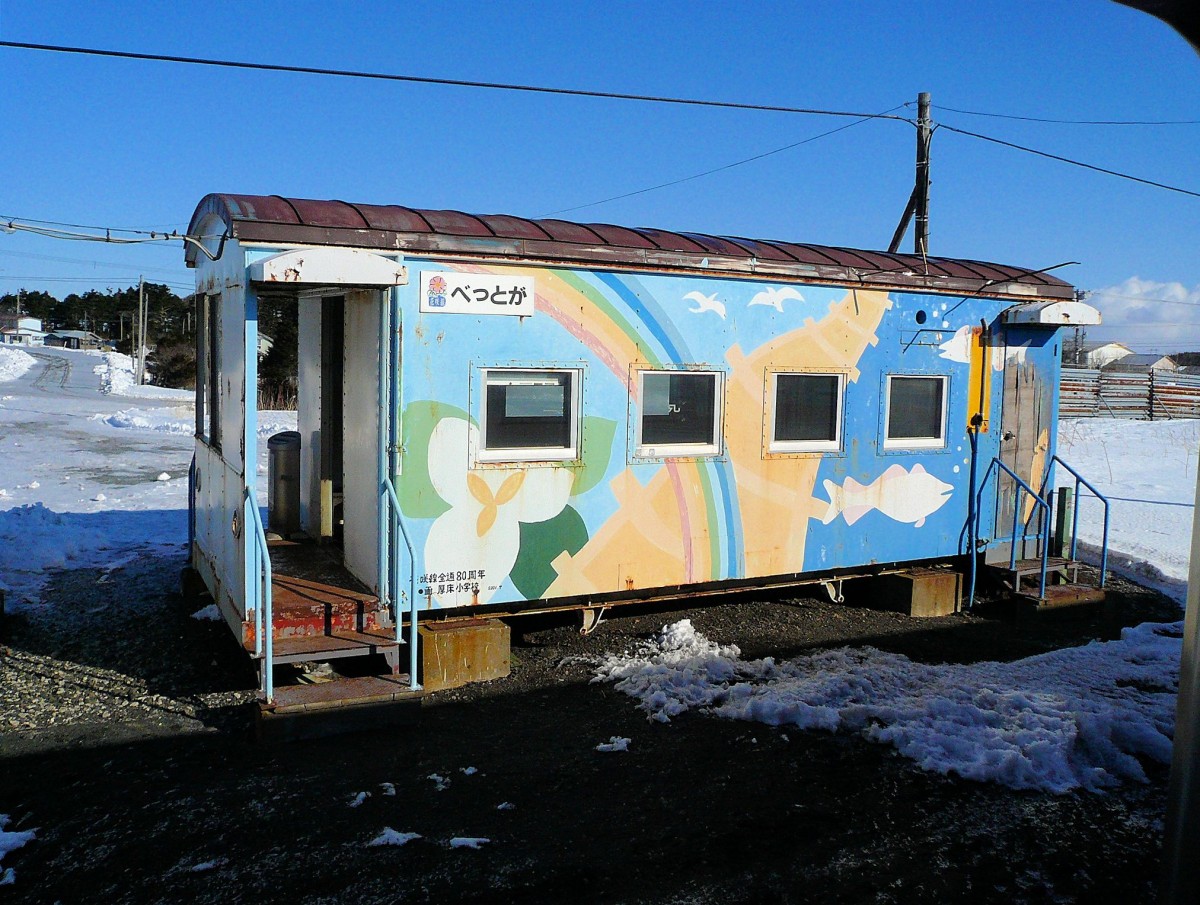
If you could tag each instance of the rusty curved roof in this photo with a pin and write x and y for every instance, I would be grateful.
(274, 219)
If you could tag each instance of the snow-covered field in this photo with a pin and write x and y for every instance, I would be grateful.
(93, 471)
(93, 468)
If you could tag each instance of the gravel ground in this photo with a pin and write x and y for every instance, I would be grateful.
(125, 740)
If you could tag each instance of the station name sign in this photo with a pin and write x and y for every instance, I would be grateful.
(450, 292)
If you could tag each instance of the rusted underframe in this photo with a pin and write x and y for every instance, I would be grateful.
(680, 593)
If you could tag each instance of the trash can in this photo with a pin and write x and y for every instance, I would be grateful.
(283, 483)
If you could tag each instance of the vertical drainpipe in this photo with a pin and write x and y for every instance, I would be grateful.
(250, 452)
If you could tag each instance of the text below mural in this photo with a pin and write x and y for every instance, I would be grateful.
(449, 292)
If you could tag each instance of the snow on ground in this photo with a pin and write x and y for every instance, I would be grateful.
(81, 485)
(14, 362)
(1074, 718)
(11, 841)
(81, 471)
(1148, 469)
(390, 836)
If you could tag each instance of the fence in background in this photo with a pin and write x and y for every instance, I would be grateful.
(1157, 395)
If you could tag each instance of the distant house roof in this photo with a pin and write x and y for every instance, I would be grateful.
(272, 219)
(1091, 345)
(1142, 362)
(77, 334)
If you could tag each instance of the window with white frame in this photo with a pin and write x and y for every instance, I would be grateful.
(208, 369)
(681, 413)
(807, 412)
(529, 415)
(916, 412)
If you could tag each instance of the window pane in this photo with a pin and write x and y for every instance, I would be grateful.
(915, 408)
(806, 407)
(678, 408)
(528, 410)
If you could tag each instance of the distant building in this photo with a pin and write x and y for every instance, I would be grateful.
(1142, 363)
(21, 330)
(75, 339)
(1093, 353)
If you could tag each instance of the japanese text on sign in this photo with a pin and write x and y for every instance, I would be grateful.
(449, 292)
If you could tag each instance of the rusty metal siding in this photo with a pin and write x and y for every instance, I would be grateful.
(1088, 393)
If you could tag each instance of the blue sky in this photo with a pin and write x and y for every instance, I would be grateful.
(137, 144)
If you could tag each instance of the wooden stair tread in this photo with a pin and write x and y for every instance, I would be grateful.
(1064, 595)
(337, 644)
(347, 692)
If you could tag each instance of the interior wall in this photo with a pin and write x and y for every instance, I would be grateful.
(308, 415)
(361, 438)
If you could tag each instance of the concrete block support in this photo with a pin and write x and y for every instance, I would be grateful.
(924, 593)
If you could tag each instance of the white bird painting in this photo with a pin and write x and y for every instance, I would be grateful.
(705, 303)
(775, 297)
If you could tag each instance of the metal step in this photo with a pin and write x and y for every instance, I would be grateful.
(1063, 595)
(1058, 569)
(367, 703)
(338, 644)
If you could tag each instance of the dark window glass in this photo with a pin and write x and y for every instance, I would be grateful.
(678, 408)
(806, 407)
(528, 410)
(915, 408)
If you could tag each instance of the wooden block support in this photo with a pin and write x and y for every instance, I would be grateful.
(924, 593)
(455, 653)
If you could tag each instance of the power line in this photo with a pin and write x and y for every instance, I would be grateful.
(1076, 122)
(425, 80)
(728, 166)
(1099, 294)
(93, 263)
(1077, 163)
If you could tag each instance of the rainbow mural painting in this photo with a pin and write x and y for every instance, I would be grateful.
(612, 521)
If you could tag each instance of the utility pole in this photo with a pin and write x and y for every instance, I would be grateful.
(924, 134)
(141, 359)
(918, 201)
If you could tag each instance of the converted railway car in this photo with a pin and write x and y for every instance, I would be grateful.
(499, 414)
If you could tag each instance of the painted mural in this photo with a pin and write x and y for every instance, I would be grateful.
(611, 520)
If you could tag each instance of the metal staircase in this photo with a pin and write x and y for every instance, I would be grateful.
(1043, 565)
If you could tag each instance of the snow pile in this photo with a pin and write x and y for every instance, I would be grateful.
(358, 799)
(171, 421)
(615, 743)
(11, 841)
(469, 841)
(209, 613)
(390, 836)
(52, 540)
(1075, 718)
(116, 375)
(14, 363)
(1151, 467)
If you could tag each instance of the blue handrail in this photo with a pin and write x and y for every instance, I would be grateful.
(1080, 479)
(1043, 536)
(264, 622)
(398, 520)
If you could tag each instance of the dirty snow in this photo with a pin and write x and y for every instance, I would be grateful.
(1075, 718)
(209, 613)
(388, 789)
(359, 799)
(616, 742)
(390, 836)
(469, 841)
(11, 841)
